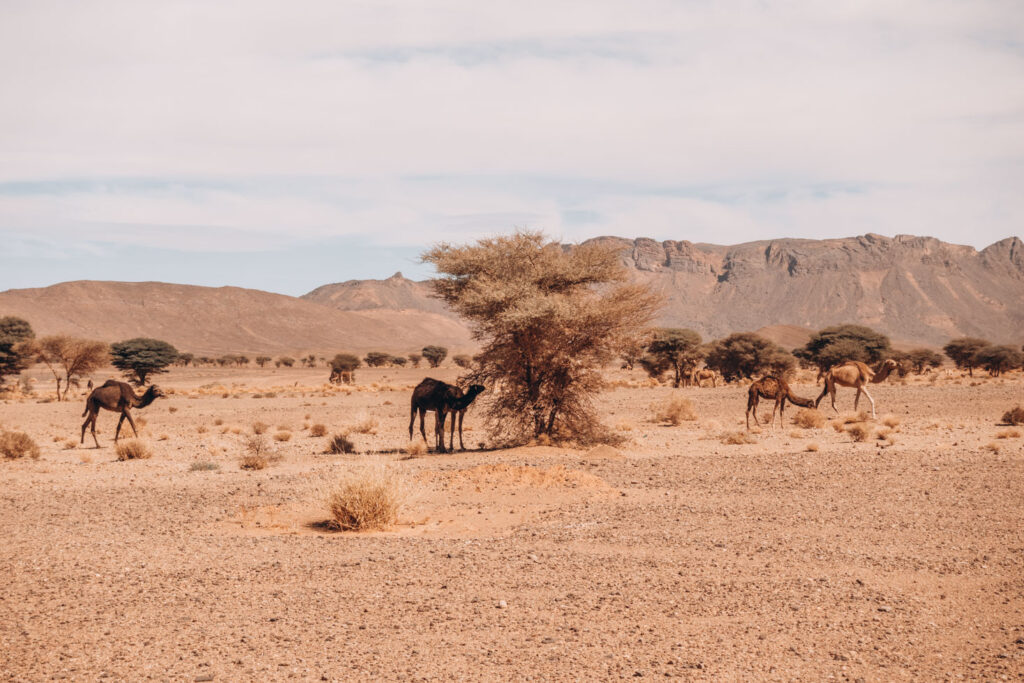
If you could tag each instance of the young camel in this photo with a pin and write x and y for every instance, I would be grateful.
(117, 397)
(442, 398)
(855, 375)
(698, 376)
(776, 389)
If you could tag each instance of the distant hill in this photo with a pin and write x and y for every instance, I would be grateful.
(915, 289)
(216, 320)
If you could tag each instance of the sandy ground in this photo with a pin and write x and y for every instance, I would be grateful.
(674, 556)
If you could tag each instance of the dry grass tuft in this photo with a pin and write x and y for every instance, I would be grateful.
(70, 445)
(367, 499)
(18, 445)
(1014, 416)
(253, 462)
(367, 425)
(259, 427)
(838, 425)
(673, 411)
(318, 430)
(283, 436)
(201, 429)
(132, 449)
(218, 422)
(415, 447)
(340, 445)
(809, 418)
(891, 421)
(812, 447)
(203, 466)
(992, 446)
(1008, 434)
(172, 409)
(737, 438)
(624, 426)
(859, 431)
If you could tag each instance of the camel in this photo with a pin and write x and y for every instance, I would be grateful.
(117, 397)
(855, 375)
(698, 376)
(777, 389)
(442, 398)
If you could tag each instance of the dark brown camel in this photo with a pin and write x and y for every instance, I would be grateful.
(442, 398)
(119, 398)
(777, 389)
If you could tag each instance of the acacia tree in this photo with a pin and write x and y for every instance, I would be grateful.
(435, 354)
(922, 358)
(463, 360)
(745, 354)
(415, 359)
(15, 352)
(840, 343)
(998, 359)
(75, 357)
(676, 348)
(376, 359)
(548, 319)
(962, 351)
(141, 357)
(262, 360)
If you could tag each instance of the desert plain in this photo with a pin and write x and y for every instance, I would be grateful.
(803, 555)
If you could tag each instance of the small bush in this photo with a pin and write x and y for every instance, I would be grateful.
(859, 431)
(201, 429)
(809, 418)
(365, 426)
(203, 466)
(282, 436)
(674, 411)
(993, 446)
(318, 430)
(812, 447)
(369, 499)
(70, 445)
(737, 438)
(1008, 434)
(259, 427)
(1014, 416)
(253, 462)
(218, 422)
(340, 445)
(18, 445)
(172, 409)
(891, 421)
(132, 449)
(415, 447)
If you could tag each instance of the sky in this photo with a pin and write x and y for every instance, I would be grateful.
(286, 145)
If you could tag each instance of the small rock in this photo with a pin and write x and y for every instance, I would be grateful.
(204, 677)
(502, 604)
(533, 557)
(884, 608)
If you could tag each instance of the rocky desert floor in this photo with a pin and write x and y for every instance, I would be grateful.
(804, 555)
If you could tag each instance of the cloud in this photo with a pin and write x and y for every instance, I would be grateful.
(220, 126)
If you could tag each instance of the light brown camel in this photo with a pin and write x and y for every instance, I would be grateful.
(442, 398)
(117, 397)
(855, 375)
(698, 376)
(776, 389)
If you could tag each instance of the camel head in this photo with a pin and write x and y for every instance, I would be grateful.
(153, 393)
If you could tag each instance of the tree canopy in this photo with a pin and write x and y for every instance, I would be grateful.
(745, 354)
(73, 356)
(839, 343)
(142, 357)
(676, 348)
(962, 352)
(15, 354)
(435, 355)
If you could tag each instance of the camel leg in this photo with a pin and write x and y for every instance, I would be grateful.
(93, 430)
(423, 432)
(451, 437)
(865, 390)
(412, 421)
(439, 429)
(752, 406)
(117, 433)
(462, 446)
(132, 423)
(856, 398)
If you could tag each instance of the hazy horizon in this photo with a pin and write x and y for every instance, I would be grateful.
(266, 147)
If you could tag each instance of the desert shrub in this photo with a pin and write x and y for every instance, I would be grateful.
(18, 445)
(812, 447)
(257, 444)
(340, 444)
(367, 425)
(367, 499)
(1008, 434)
(548, 319)
(993, 447)
(998, 359)
(282, 436)
(415, 447)
(737, 438)
(891, 421)
(398, 361)
(673, 410)
(1014, 416)
(415, 359)
(259, 427)
(435, 355)
(203, 466)
(462, 360)
(809, 418)
(141, 357)
(675, 348)
(286, 361)
(132, 449)
(201, 429)
(218, 421)
(859, 431)
(745, 354)
(253, 462)
(318, 430)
